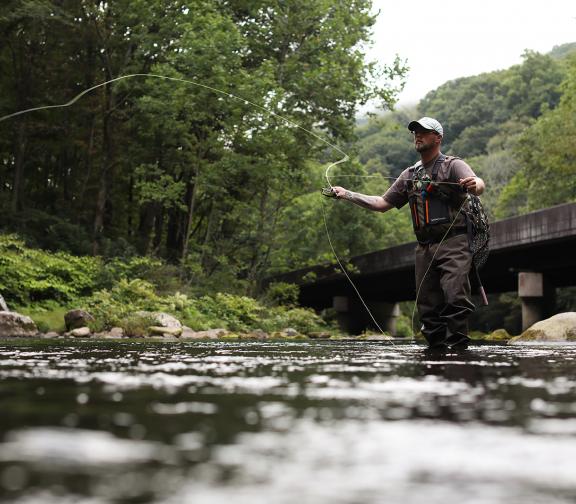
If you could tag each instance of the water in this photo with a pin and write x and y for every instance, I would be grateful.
(285, 422)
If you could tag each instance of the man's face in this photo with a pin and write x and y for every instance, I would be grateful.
(425, 140)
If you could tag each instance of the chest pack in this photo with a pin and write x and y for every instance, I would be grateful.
(436, 208)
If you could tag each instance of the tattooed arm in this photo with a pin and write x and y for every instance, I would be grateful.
(377, 203)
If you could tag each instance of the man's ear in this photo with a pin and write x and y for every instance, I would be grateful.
(438, 139)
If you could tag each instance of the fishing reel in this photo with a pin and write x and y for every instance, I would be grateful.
(329, 192)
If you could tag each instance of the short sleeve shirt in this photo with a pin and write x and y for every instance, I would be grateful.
(451, 170)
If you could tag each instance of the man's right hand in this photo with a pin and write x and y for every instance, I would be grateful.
(339, 191)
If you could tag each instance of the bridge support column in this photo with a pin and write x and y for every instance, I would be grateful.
(538, 297)
(385, 314)
(352, 316)
(341, 305)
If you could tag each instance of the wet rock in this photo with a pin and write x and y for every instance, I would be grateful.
(319, 335)
(289, 332)
(188, 333)
(51, 335)
(161, 319)
(498, 335)
(80, 332)
(116, 332)
(75, 319)
(14, 324)
(559, 328)
(165, 331)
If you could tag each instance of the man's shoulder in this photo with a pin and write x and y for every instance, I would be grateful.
(456, 166)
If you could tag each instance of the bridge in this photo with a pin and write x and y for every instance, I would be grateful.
(531, 254)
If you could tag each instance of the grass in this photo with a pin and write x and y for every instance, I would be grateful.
(46, 319)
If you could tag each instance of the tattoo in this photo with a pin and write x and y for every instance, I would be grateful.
(370, 202)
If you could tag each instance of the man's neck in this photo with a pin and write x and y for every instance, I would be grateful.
(429, 155)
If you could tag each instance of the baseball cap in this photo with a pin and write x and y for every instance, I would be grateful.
(427, 123)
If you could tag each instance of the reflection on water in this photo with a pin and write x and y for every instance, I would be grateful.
(281, 422)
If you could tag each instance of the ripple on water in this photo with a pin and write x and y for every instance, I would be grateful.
(298, 422)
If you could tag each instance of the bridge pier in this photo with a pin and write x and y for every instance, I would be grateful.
(538, 297)
(352, 316)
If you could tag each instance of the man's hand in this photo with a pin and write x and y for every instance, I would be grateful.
(339, 191)
(474, 185)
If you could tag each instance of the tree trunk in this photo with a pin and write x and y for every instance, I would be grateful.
(192, 190)
(16, 203)
(105, 165)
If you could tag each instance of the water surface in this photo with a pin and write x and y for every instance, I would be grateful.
(283, 422)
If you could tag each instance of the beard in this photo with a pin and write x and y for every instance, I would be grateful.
(423, 146)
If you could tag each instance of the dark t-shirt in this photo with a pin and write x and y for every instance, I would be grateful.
(451, 170)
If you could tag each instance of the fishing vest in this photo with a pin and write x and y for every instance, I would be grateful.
(435, 207)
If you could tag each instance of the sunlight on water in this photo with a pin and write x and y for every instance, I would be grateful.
(283, 422)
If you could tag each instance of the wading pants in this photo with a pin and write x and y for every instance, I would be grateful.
(444, 302)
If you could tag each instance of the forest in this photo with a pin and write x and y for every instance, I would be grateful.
(206, 177)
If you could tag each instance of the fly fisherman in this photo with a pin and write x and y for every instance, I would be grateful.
(435, 188)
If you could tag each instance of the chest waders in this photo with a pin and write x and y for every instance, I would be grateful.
(440, 212)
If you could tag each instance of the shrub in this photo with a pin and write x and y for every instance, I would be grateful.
(282, 294)
(29, 275)
(303, 320)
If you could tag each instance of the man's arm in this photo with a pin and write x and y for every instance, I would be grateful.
(376, 203)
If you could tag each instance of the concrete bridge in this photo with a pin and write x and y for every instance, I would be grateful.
(531, 254)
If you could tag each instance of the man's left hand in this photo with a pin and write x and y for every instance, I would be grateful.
(474, 185)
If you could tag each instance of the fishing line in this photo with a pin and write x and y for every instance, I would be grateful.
(346, 272)
(260, 107)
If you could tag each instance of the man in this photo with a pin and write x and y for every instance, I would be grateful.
(435, 188)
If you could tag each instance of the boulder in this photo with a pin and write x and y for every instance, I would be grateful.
(559, 328)
(116, 332)
(75, 319)
(80, 332)
(165, 331)
(161, 319)
(14, 324)
(498, 335)
(51, 335)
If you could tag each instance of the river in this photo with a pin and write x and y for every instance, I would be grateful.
(301, 422)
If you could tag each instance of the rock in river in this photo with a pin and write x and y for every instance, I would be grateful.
(75, 319)
(561, 327)
(17, 325)
(162, 323)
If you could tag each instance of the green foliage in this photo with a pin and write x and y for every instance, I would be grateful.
(29, 275)
(282, 294)
(119, 307)
(111, 307)
(177, 168)
(473, 109)
(548, 153)
(136, 325)
(48, 316)
(303, 320)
